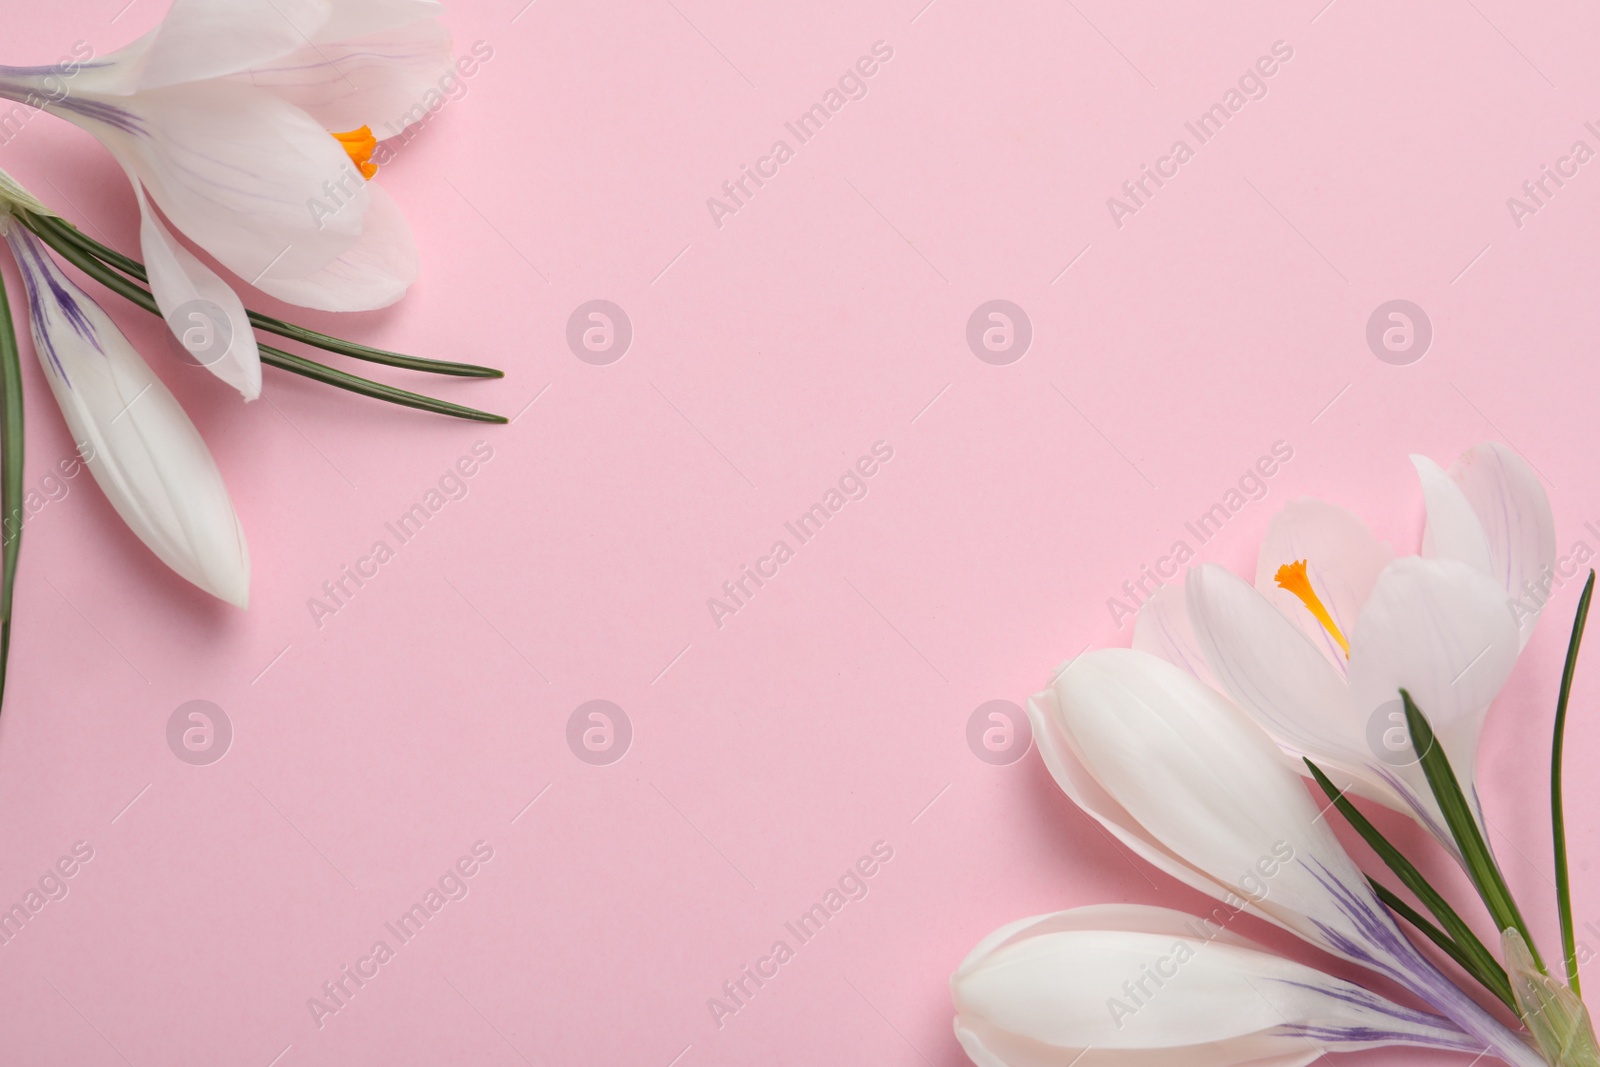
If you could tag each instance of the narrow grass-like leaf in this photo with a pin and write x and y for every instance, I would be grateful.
(70, 234)
(1476, 857)
(1558, 818)
(11, 438)
(1441, 939)
(1465, 947)
(274, 357)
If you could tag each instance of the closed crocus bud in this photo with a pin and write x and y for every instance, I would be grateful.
(143, 451)
(1185, 779)
(1121, 985)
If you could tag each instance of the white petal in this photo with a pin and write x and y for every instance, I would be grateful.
(1163, 629)
(1272, 669)
(373, 273)
(1342, 557)
(359, 18)
(1453, 530)
(249, 177)
(379, 81)
(1073, 981)
(1509, 502)
(1204, 783)
(1087, 793)
(201, 39)
(1445, 633)
(142, 449)
(202, 310)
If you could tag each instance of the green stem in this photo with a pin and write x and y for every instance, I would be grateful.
(1475, 855)
(134, 269)
(1558, 818)
(274, 357)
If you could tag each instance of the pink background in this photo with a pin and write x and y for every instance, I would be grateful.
(769, 354)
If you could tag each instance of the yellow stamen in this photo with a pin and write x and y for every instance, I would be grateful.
(359, 145)
(1292, 576)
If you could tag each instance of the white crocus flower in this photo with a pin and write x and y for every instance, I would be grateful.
(1125, 985)
(1334, 627)
(143, 451)
(1187, 781)
(225, 118)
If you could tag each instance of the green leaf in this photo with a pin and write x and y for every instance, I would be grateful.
(1558, 818)
(274, 357)
(1460, 942)
(82, 242)
(1475, 854)
(11, 439)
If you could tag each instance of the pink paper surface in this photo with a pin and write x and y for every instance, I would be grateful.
(767, 750)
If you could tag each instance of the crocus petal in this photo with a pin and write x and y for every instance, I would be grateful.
(375, 272)
(379, 81)
(1445, 633)
(1512, 507)
(202, 310)
(1163, 629)
(143, 451)
(1453, 530)
(248, 177)
(1072, 982)
(1199, 778)
(1081, 787)
(361, 18)
(1285, 682)
(202, 39)
(1342, 558)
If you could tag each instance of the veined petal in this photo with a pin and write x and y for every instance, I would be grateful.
(379, 80)
(202, 310)
(202, 39)
(247, 176)
(143, 451)
(1130, 981)
(1445, 633)
(1506, 496)
(1163, 629)
(1342, 558)
(374, 272)
(1286, 684)
(1453, 530)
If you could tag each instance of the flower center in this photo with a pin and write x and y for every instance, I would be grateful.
(359, 144)
(1292, 576)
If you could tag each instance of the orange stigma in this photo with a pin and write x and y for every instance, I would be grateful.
(1292, 576)
(359, 144)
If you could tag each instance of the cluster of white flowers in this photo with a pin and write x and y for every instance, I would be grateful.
(1189, 750)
